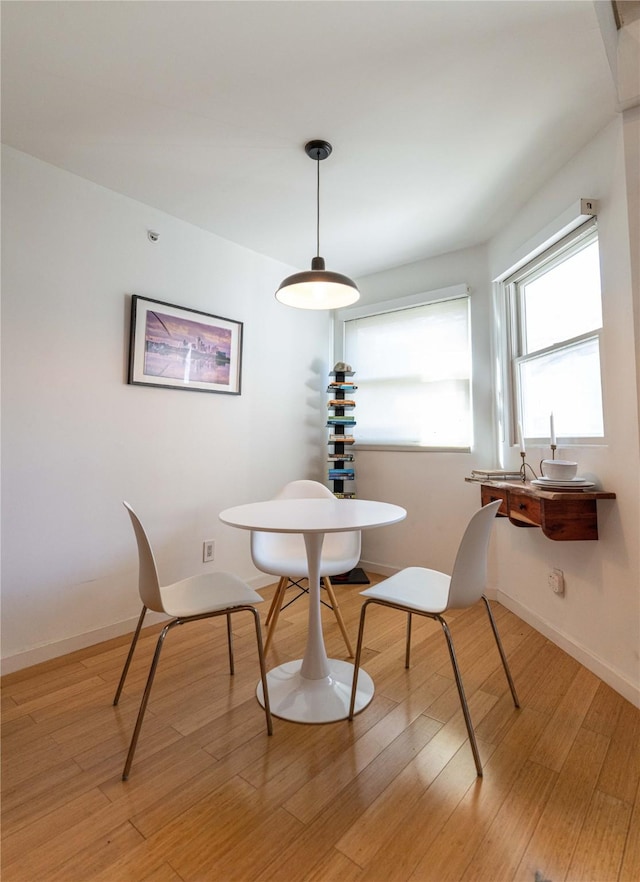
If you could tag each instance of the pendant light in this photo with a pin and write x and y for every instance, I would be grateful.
(317, 288)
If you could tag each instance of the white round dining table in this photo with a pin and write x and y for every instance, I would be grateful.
(314, 689)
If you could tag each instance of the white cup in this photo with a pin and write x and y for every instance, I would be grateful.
(559, 469)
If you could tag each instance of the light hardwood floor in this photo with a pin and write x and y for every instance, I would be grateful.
(391, 796)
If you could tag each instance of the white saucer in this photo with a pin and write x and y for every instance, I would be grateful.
(573, 484)
(569, 482)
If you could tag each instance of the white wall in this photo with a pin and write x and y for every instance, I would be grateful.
(77, 439)
(631, 119)
(598, 620)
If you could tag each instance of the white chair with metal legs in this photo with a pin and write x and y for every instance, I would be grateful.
(198, 597)
(431, 593)
(284, 555)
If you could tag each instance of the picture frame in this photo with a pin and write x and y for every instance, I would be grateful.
(175, 347)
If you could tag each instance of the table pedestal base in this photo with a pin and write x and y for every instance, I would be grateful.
(294, 697)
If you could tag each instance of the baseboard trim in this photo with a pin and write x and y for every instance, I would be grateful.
(593, 663)
(378, 569)
(38, 654)
(596, 665)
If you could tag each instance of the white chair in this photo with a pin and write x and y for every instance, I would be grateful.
(199, 597)
(284, 555)
(431, 593)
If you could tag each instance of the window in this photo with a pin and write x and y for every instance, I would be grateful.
(413, 371)
(556, 318)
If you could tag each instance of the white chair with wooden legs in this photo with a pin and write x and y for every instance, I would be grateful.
(284, 555)
(199, 597)
(431, 593)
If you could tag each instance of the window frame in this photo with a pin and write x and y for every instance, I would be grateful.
(439, 295)
(552, 256)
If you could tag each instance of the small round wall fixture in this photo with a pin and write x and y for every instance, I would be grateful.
(317, 288)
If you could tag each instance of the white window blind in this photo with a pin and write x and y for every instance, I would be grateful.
(413, 371)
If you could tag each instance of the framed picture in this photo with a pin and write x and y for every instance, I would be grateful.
(179, 348)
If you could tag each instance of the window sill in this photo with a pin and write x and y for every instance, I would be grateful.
(408, 448)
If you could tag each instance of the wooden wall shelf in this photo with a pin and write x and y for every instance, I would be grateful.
(561, 516)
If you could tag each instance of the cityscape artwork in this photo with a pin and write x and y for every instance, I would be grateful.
(183, 348)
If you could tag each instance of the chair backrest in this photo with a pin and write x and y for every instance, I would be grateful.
(304, 490)
(284, 554)
(469, 576)
(148, 582)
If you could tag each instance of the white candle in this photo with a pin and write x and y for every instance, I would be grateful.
(521, 438)
(553, 432)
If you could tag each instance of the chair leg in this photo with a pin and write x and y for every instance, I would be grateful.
(232, 669)
(277, 599)
(505, 664)
(263, 671)
(463, 699)
(337, 613)
(407, 656)
(356, 664)
(145, 698)
(282, 587)
(134, 641)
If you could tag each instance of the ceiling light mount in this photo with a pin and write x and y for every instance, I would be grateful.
(317, 288)
(318, 149)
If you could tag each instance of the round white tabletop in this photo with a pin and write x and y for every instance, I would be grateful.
(314, 689)
(312, 515)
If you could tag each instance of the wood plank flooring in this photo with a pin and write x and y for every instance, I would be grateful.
(391, 797)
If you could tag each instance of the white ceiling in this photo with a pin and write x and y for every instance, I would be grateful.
(445, 117)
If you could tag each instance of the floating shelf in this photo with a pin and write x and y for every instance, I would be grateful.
(563, 516)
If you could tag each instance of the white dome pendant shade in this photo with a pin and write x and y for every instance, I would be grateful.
(317, 288)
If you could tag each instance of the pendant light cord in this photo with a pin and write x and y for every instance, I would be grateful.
(318, 205)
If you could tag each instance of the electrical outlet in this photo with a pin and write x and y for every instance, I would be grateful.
(555, 580)
(208, 550)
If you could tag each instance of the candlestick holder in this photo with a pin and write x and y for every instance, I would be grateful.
(553, 456)
(523, 468)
